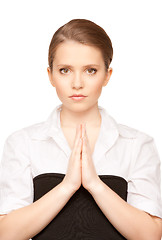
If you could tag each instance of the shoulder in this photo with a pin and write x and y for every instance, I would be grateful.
(140, 140)
(144, 146)
(125, 131)
(128, 132)
(24, 134)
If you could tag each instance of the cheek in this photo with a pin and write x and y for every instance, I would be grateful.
(60, 90)
(96, 87)
(60, 85)
(61, 93)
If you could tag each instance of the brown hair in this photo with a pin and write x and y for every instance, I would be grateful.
(83, 31)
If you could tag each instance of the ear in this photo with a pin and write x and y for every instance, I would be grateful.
(50, 76)
(108, 75)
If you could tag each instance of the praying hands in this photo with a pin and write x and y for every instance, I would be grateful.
(81, 169)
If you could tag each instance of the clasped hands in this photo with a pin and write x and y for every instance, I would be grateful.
(89, 175)
(81, 169)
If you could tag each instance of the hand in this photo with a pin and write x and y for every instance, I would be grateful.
(89, 175)
(73, 175)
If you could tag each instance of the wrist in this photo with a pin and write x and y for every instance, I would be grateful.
(96, 187)
(67, 188)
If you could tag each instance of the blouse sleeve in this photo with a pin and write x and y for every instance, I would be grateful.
(144, 185)
(16, 184)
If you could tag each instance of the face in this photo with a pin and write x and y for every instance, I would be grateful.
(78, 69)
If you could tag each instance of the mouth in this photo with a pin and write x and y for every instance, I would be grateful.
(77, 97)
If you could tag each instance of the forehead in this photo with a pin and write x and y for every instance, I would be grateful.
(72, 51)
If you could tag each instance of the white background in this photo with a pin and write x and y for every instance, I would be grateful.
(133, 95)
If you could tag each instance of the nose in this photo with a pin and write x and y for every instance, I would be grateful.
(77, 81)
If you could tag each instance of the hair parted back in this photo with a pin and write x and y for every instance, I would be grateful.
(85, 32)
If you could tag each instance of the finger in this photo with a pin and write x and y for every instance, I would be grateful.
(84, 130)
(86, 149)
(78, 149)
(84, 154)
(86, 137)
(77, 142)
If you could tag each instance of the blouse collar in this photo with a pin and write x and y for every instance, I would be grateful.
(108, 135)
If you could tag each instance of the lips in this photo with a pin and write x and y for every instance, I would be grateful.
(78, 95)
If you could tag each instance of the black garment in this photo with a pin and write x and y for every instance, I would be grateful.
(80, 218)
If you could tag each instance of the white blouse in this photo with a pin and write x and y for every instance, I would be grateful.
(42, 148)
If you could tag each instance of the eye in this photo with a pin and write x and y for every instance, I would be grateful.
(92, 70)
(62, 70)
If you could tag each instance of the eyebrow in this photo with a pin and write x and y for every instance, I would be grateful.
(88, 65)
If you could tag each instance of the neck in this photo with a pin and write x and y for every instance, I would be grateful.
(70, 118)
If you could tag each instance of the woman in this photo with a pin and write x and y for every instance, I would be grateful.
(80, 174)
